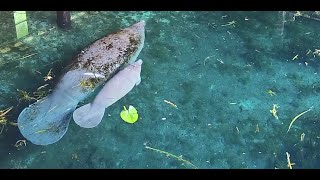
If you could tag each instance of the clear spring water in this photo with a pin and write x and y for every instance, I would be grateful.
(216, 67)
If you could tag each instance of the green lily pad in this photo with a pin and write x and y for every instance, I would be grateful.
(129, 115)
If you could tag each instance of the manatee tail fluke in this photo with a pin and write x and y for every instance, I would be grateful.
(44, 124)
(88, 116)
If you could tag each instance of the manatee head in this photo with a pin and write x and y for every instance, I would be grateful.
(136, 37)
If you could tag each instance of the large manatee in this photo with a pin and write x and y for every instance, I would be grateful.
(46, 121)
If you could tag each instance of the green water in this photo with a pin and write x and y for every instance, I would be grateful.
(216, 67)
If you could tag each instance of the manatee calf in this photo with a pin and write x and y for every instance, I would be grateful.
(46, 121)
(90, 115)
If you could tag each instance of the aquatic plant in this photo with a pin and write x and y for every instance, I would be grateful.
(19, 143)
(48, 76)
(316, 53)
(88, 83)
(3, 119)
(179, 158)
(271, 93)
(233, 22)
(129, 115)
(171, 103)
(290, 164)
(273, 111)
(23, 95)
(40, 94)
(27, 56)
(296, 117)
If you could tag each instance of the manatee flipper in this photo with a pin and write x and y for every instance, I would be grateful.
(44, 124)
(87, 116)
